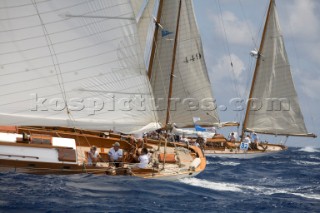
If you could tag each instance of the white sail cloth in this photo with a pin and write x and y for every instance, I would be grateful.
(274, 105)
(191, 90)
(74, 63)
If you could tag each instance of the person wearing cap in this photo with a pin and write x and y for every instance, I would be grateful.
(93, 156)
(115, 154)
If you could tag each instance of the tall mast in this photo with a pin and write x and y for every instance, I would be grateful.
(155, 38)
(255, 71)
(172, 65)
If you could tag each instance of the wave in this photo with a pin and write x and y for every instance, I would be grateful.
(211, 185)
(310, 196)
(308, 149)
(300, 162)
(314, 157)
(228, 163)
(257, 190)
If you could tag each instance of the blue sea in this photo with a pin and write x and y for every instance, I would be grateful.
(284, 182)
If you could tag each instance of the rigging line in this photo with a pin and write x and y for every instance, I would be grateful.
(54, 59)
(262, 21)
(248, 26)
(157, 60)
(246, 91)
(228, 50)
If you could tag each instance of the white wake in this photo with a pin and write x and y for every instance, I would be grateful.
(308, 149)
(221, 186)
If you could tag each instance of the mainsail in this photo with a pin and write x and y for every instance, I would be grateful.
(75, 63)
(191, 91)
(273, 106)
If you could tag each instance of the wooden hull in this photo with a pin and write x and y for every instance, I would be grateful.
(220, 147)
(69, 157)
(237, 153)
(38, 169)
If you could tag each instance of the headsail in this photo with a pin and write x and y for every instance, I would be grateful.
(273, 107)
(191, 91)
(143, 10)
(73, 63)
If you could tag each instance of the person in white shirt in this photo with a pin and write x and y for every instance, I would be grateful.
(116, 154)
(143, 158)
(247, 139)
(93, 156)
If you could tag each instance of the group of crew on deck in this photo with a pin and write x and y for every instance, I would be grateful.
(252, 140)
(115, 156)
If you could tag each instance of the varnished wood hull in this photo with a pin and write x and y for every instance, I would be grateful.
(33, 163)
(231, 152)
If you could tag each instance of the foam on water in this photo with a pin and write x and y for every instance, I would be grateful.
(226, 163)
(309, 196)
(211, 185)
(229, 163)
(308, 149)
(314, 157)
(301, 162)
(257, 190)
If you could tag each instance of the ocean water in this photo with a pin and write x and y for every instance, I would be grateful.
(284, 182)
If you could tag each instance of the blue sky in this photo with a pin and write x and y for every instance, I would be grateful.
(240, 33)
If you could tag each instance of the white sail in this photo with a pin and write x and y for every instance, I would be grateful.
(274, 102)
(191, 90)
(143, 10)
(73, 63)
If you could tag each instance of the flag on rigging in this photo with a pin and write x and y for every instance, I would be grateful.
(164, 32)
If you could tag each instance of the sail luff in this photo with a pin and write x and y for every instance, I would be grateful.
(154, 39)
(173, 65)
(273, 105)
(255, 72)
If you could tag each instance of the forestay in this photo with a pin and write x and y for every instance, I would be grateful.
(274, 106)
(75, 63)
(191, 90)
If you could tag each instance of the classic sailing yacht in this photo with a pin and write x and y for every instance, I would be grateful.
(273, 106)
(181, 85)
(68, 69)
(177, 68)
